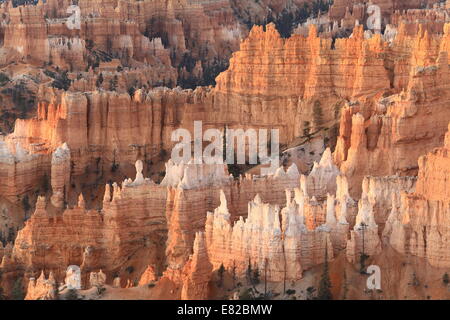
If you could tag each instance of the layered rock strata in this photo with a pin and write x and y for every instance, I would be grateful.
(419, 223)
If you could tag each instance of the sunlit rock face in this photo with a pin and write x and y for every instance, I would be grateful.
(362, 116)
(419, 222)
(390, 140)
(271, 239)
(197, 272)
(42, 288)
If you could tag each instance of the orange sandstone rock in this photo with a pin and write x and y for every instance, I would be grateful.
(419, 223)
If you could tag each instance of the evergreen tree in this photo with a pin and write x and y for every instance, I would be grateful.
(99, 81)
(2, 294)
(446, 279)
(220, 273)
(26, 203)
(131, 91)
(224, 144)
(325, 282)
(310, 293)
(318, 115)
(345, 286)
(72, 294)
(249, 272)
(363, 256)
(233, 274)
(113, 83)
(17, 291)
(255, 276)
(415, 281)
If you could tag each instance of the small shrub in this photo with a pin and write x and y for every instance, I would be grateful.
(72, 294)
(446, 279)
(290, 292)
(17, 291)
(114, 167)
(4, 79)
(247, 295)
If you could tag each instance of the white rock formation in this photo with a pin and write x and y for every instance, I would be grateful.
(191, 175)
(73, 277)
(97, 279)
(322, 179)
(269, 239)
(139, 175)
(13, 154)
(346, 209)
(61, 154)
(364, 238)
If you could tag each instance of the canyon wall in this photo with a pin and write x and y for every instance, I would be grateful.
(307, 90)
(386, 95)
(419, 223)
(404, 126)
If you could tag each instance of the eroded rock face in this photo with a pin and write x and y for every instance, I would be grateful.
(403, 124)
(341, 8)
(124, 29)
(419, 223)
(352, 69)
(197, 272)
(103, 238)
(69, 120)
(381, 192)
(364, 238)
(73, 278)
(60, 175)
(390, 91)
(97, 279)
(322, 77)
(322, 179)
(42, 288)
(187, 208)
(148, 276)
(306, 86)
(25, 168)
(273, 240)
(137, 216)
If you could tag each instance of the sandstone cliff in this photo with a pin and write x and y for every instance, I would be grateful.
(376, 143)
(419, 224)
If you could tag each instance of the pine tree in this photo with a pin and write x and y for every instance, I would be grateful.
(17, 291)
(325, 282)
(224, 144)
(310, 293)
(220, 273)
(99, 81)
(72, 294)
(255, 276)
(265, 278)
(249, 272)
(113, 83)
(446, 279)
(415, 281)
(233, 274)
(345, 286)
(2, 294)
(363, 257)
